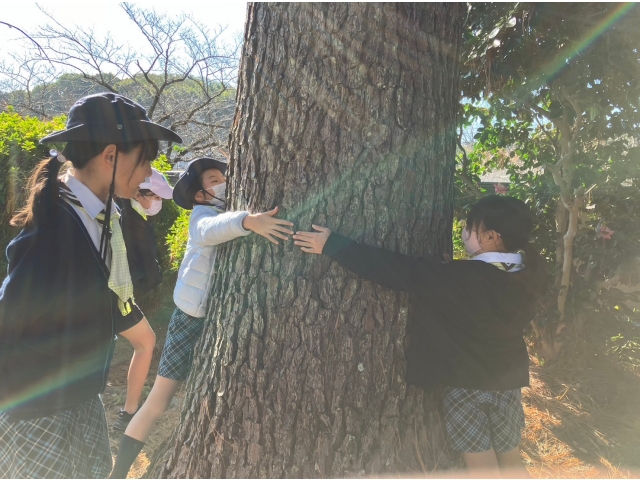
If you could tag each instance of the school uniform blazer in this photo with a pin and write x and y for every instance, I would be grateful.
(466, 318)
(57, 318)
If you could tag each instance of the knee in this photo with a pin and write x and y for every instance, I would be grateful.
(144, 343)
(149, 340)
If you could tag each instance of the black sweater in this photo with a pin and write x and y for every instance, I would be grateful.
(466, 318)
(142, 253)
(57, 318)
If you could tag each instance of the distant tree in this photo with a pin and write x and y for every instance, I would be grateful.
(183, 74)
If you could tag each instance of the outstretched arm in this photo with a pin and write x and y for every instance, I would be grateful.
(389, 269)
(214, 230)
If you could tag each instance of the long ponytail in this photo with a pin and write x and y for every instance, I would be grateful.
(43, 193)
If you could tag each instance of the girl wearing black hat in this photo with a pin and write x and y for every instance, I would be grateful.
(68, 292)
(201, 188)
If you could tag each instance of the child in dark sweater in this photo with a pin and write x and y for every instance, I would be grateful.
(466, 323)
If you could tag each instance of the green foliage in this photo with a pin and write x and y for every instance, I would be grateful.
(459, 250)
(162, 164)
(530, 52)
(178, 237)
(162, 224)
(173, 225)
(19, 154)
(26, 132)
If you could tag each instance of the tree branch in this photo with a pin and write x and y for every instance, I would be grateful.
(463, 171)
(38, 46)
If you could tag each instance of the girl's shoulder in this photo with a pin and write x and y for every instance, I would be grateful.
(205, 210)
(57, 237)
(202, 211)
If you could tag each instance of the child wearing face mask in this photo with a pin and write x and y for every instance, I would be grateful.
(144, 266)
(466, 324)
(201, 188)
(151, 193)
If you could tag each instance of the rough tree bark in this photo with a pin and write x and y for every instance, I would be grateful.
(345, 117)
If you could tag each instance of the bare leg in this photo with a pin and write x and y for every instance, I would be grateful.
(153, 408)
(511, 465)
(142, 340)
(482, 465)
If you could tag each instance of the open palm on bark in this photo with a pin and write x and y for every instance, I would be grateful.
(312, 242)
(266, 225)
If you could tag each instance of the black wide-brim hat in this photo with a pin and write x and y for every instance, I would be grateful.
(110, 118)
(190, 175)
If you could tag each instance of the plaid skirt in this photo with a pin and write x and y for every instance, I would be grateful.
(73, 443)
(479, 420)
(177, 354)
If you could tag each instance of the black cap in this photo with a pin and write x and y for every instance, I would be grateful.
(110, 118)
(190, 175)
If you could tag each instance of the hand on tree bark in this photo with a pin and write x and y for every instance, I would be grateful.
(264, 224)
(312, 242)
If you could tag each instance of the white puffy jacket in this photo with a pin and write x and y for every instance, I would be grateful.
(207, 229)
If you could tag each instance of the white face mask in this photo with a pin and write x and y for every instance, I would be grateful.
(156, 206)
(471, 243)
(219, 193)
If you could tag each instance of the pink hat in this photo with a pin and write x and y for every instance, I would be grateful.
(158, 185)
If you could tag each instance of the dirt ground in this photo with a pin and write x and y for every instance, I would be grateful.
(582, 413)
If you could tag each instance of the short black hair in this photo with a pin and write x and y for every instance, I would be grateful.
(508, 216)
(514, 221)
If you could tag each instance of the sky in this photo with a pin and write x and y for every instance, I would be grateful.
(106, 17)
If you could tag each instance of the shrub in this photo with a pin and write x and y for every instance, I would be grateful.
(19, 154)
(177, 238)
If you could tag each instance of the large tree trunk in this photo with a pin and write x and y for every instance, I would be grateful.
(345, 117)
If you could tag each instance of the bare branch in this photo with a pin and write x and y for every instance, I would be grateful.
(180, 74)
(42, 51)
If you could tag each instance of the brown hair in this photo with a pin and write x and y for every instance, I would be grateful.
(43, 181)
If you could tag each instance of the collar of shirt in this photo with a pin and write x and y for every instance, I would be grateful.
(499, 257)
(92, 204)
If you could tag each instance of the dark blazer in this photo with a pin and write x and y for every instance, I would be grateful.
(466, 318)
(57, 318)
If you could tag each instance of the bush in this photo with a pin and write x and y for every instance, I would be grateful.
(177, 238)
(19, 154)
